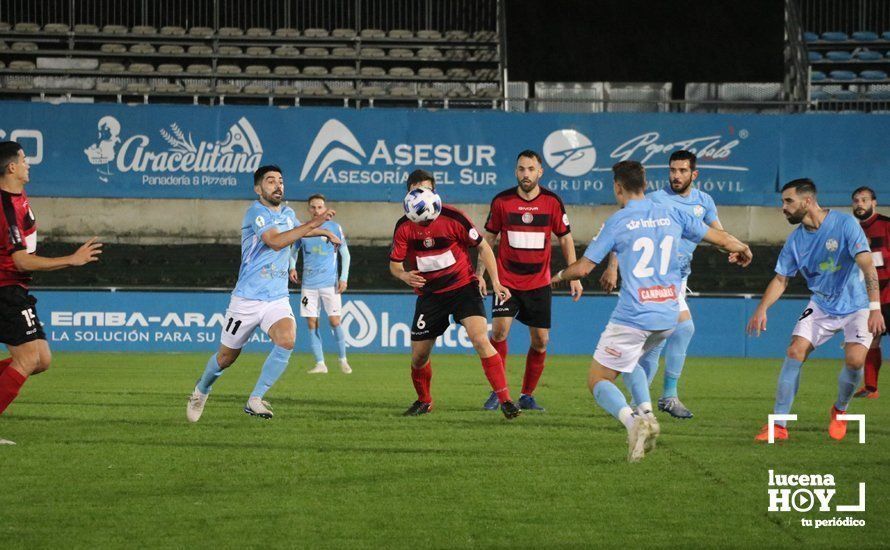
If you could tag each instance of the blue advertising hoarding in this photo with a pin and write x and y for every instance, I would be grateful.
(125, 321)
(170, 151)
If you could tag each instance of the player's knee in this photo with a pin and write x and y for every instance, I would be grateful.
(335, 322)
(539, 343)
(225, 358)
(499, 334)
(286, 342)
(418, 361)
(796, 353)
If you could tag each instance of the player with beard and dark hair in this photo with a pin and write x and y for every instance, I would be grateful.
(831, 252)
(877, 230)
(683, 195)
(525, 217)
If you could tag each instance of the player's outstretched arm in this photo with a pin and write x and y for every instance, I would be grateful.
(567, 244)
(277, 241)
(577, 270)
(411, 278)
(739, 252)
(875, 319)
(87, 253)
(491, 239)
(773, 292)
(486, 258)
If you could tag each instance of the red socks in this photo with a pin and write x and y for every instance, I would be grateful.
(10, 383)
(5, 363)
(872, 368)
(494, 370)
(421, 379)
(501, 348)
(534, 366)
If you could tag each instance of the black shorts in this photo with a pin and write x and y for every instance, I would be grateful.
(529, 307)
(18, 317)
(432, 310)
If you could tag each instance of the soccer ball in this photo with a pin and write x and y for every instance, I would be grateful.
(422, 205)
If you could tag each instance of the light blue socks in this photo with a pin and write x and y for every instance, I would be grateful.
(315, 344)
(273, 368)
(789, 380)
(649, 361)
(211, 373)
(610, 398)
(847, 383)
(638, 385)
(340, 338)
(675, 356)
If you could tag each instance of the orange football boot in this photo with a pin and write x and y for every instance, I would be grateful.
(781, 433)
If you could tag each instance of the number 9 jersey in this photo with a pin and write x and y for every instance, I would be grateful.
(646, 237)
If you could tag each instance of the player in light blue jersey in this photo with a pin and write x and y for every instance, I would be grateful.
(644, 236)
(832, 253)
(681, 194)
(260, 298)
(322, 285)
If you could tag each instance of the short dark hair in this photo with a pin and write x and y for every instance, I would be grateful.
(316, 196)
(529, 154)
(9, 153)
(630, 175)
(418, 176)
(803, 186)
(683, 154)
(262, 171)
(865, 189)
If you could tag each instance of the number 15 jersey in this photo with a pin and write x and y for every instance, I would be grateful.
(645, 236)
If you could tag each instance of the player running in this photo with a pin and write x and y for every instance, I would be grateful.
(524, 218)
(20, 328)
(645, 237)
(699, 204)
(877, 231)
(320, 284)
(831, 252)
(440, 272)
(260, 297)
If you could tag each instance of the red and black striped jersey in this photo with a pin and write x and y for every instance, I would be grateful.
(877, 230)
(525, 227)
(18, 231)
(440, 250)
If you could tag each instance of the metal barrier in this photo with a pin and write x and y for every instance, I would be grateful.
(844, 15)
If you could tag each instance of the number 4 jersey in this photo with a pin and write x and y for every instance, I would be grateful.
(646, 237)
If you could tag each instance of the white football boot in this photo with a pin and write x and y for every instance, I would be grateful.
(257, 407)
(344, 366)
(654, 431)
(6, 442)
(636, 439)
(320, 368)
(196, 405)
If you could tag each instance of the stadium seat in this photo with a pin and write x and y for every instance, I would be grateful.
(402, 91)
(819, 95)
(110, 87)
(26, 27)
(4, 26)
(138, 88)
(230, 50)
(142, 47)
(429, 34)
(113, 48)
(286, 32)
(173, 49)
(21, 65)
(485, 74)
(286, 70)
(429, 53)
(170, 68)
(143, 30)
(457, 35)
(343, 33)
(315, 52)
(55, 28)
(835, 36)
(227, 88)
(401, 71)
(285, 90)
(399, 34)
(200, 49)
(112, 67)
(256, 89)
(488, 92)
(286, 51)
(174, 30)
(814, 57)
(228, 69)
(85, 28)
(873, 75)
(837, 55)
(312, 70)
(259, 32)
(341, 88)
(200, 32)
(343, 52)
(24, 47)
(817, 76)
(230, 32)
(885, 35)
(749, 96)
(842, 75)
(868, 55)
(878, 95)
(372, 91)
(372, 71)
(168, 87)
(458, 73)
(484, 36)
(343, 70)
(865, 36)
(197, 87)
(430, 93)
(114, 29)
(257, 70)
(315, 90)
(400, 53)
(373, 52)
(372, 33)
(430, 72)
(258, 51)
(844, 95)
(636, 96)
(141, 68)
(810, 37)
(316, 33)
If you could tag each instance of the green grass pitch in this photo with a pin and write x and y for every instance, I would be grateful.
(105, 458)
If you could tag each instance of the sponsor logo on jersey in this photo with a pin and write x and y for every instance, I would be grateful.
(657, 293)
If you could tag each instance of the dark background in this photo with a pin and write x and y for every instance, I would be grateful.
(645, 41)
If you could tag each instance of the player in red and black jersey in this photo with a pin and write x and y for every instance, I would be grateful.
(877, 230)
(20, 328)
(525, 217)
(434, 260)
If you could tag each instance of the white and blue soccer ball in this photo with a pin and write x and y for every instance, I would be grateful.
(422, 205)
